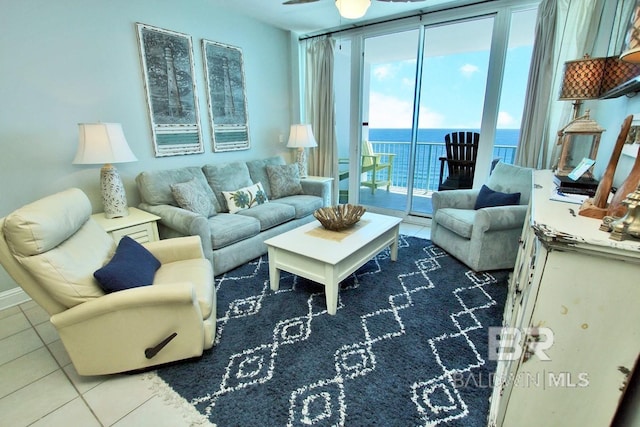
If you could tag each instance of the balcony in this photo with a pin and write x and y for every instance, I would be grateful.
(427, 173)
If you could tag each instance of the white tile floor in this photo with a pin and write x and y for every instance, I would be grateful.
(40, 387)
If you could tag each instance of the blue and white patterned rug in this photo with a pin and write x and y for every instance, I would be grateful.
(408, 346)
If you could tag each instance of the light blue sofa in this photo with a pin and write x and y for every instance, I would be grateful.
(229, 240)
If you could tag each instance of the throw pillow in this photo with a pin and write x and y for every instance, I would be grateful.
(132, 266)
(488, 198)
(192, 196)
(284, 180)
(245, 198)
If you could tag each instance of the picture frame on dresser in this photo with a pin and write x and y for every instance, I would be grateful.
(226, 96)
(167, 64)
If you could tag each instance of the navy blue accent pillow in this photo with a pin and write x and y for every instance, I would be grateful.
(488, 198)
(131, 266)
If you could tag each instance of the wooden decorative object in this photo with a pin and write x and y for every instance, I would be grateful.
(596, 207)
(339, 217)
(616, 208)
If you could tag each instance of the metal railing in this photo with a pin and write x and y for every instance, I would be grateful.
(427, 170)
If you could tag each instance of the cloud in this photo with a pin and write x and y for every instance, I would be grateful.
(468, 70)
(505, 120)
(382, 72)
(391, 112)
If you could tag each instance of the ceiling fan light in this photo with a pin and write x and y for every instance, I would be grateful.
(352, 9)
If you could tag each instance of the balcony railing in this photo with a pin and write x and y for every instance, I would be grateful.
(427, 170)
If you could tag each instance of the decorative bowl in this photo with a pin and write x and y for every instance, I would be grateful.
(339, 217)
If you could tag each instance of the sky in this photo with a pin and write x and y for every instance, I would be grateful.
(452, 91)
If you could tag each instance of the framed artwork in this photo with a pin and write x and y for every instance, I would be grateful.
(167, 62)
(224, 71)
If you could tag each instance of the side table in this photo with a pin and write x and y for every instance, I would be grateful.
(141, 226)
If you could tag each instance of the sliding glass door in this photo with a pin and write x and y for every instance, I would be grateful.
(400, 92)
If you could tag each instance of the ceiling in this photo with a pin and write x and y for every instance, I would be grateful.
(322, 15)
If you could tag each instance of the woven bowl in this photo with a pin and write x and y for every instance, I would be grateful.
(339, 217)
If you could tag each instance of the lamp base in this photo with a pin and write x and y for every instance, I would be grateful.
(114, 199)
(301, 159)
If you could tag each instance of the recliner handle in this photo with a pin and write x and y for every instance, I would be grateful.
(152, 351)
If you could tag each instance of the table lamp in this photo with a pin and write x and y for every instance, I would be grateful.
(104, 143)
(301, 137)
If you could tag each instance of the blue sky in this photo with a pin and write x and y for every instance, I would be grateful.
(452, 91)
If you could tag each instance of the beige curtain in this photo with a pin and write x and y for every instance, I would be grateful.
(530, 151)
(565, 30)
(320, 111)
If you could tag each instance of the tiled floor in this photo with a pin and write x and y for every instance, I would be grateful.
(40, 387)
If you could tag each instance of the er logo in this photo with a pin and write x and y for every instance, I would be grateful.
(507, 343)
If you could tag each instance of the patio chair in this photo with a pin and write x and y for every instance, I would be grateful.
(372, 164)
(462, 152)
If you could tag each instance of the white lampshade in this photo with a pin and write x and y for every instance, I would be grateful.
(352, 9)
(301, 136)
(104, 143)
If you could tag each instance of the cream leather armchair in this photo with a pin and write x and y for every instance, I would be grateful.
(52, 247)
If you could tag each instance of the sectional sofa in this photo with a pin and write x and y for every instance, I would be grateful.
(234, 207)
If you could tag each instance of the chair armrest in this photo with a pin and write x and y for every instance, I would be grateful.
(184, 222)
(129, 299)
(321, 189)
(176, 249)
(458, 199)
(500, 218)
(113, 333)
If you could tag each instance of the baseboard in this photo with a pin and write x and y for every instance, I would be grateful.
(13, 297)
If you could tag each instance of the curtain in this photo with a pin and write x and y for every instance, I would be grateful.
(530, 152)
(565, 30)
(320, 111)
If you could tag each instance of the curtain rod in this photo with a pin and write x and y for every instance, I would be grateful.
(384, 21)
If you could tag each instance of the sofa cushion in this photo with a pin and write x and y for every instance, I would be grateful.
(132, 266)
(270, 215)
(155, 186)
(245, 198)
(258, 171)
(302, 203)
(227, 229)
(488, 198)
(284, 180)
(460, 221)
(227, 177)
(195, 197)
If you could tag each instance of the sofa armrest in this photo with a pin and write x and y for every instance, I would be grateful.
(500, 218)
(176, 249)
(457, 199)
(184, 222)
(321, 189)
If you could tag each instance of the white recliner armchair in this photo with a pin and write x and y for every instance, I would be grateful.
(52, 248)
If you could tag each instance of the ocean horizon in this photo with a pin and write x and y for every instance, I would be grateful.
(508, 137)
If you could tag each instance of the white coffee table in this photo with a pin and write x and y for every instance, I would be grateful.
(328, 257)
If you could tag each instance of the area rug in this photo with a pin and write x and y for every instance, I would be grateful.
(407, 346)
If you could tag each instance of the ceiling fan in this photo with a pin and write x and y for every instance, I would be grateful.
(350, 9)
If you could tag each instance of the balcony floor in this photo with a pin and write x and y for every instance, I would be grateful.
(395, 199)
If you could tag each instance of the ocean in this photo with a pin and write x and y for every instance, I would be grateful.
(430, 148)
(507, 137)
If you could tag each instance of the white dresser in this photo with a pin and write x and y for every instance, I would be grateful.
(573, 284)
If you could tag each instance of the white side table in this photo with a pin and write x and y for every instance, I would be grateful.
(141, 226)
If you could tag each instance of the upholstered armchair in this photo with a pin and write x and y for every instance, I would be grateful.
(485, 238)
(52, 248)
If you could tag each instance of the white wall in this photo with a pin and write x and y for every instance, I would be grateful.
(65, 62)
